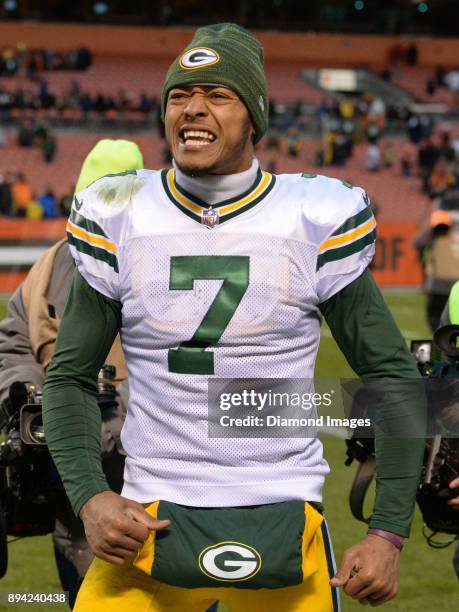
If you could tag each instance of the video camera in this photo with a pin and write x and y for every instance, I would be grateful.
(441, 457)
(30, 487)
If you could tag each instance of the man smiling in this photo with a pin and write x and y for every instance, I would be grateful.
(216, 268)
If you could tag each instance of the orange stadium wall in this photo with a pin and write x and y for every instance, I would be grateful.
(318, 49)
(395, 263)
(20, 232)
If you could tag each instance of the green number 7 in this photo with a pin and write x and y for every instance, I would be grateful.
(191, 357)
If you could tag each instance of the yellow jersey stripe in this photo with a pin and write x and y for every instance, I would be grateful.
(187, 203)
(258, 191)
(339, 241)
(222, 210)
(91, 238)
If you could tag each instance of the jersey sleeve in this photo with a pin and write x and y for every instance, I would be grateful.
(93, 239)
(347, 241)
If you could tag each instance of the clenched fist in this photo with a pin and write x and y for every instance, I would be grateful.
(369, 571)
(116, 527)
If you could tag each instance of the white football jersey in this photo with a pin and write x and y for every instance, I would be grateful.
(230, 291)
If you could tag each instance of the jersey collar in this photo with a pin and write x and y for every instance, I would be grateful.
(217, 213)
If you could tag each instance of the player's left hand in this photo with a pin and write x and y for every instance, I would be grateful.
(454, 484)
(369, 571)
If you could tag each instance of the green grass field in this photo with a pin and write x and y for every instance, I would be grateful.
(3, 303)
(427, 584)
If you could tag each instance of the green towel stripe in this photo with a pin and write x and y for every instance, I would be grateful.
(90, 226)
(354, 221)
(345, 251)
(93, 251)
(330, 564)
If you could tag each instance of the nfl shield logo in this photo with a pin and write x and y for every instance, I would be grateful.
(210, 217)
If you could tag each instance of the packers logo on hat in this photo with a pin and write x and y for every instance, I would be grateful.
(198, 57)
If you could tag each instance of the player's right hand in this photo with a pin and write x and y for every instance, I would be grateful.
(116, 527)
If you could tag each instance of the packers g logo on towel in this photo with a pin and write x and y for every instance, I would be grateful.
(229, 561)
(198, 58)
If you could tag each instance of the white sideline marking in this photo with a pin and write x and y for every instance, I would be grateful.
(20, 256)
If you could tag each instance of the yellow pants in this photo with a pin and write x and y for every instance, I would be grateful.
(113, 588)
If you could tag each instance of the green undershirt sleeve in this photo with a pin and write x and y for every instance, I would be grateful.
(369, 338)
(71, 415)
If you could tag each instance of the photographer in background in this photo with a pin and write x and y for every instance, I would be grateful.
(450, 315)
(438, 246)
(27, 339)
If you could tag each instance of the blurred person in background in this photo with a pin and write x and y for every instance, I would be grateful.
(49, 148)
(145, 104)
(22, 195)
(293, 141)
(86, 105)
(26, 133)
(387, 155)
(414, 129)
(450, 316)
(2, 138)
(444, 143)
(373, 157)
(48, 203)
(412, 54)
(407, 159)
(27, 339)
(8, 62)
(452, 81)
(34, 210)
(6, 195)
(346, 108)
(438, 246)
(65, 202)
(377, 112)
(441, 179)
(428, 155)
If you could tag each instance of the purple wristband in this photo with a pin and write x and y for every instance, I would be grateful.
(387, 535)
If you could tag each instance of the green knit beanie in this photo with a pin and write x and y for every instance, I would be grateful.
(224, 54)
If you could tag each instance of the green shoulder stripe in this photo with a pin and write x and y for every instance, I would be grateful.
(86, 224)
(354, 221)
(124, 173)
(345, 251)
(93, 251)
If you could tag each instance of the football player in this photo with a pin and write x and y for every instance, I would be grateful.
(219, 269)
